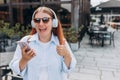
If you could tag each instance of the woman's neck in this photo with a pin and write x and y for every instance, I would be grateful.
(45, 39)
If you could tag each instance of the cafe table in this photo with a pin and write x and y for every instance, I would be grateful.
(100, 35)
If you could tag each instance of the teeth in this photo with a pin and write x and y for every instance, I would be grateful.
(42, 29)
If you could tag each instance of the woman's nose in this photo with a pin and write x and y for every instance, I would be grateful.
(41, 22)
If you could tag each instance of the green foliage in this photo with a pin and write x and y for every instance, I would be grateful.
(16, 30)
(93, 20)
(4, 29)
(71, 35)
(80, 28)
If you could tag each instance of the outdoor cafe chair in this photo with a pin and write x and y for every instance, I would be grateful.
(110, 37)
(102, 35)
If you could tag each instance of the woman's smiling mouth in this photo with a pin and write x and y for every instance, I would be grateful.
(43, 30)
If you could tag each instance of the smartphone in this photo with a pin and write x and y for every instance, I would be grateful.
(23, 44)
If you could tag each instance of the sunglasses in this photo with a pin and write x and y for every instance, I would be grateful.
(44, 20)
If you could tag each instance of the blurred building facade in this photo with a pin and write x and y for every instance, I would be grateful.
(75, 14)
(110, 10)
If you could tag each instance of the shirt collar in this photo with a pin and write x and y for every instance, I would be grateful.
(54, 38)
(34, 37)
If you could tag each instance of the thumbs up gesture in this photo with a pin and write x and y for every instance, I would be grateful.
(62, 50)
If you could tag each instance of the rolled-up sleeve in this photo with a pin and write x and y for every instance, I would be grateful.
(73, 61)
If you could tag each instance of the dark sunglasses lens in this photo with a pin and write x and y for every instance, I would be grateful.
(45, 20)
(37, 20)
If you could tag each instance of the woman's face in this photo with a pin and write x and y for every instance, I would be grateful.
(43, 23)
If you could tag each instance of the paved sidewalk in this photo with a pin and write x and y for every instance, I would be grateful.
(97, 63)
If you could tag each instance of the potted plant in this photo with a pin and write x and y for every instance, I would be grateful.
(72, 38)
(12, 33)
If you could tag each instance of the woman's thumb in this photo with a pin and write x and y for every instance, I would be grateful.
(62, 42)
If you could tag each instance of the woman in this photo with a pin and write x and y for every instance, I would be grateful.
(50, 56)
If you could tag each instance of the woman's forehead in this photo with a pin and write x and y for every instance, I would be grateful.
(41, 14)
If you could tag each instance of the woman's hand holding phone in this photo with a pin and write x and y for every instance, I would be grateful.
(23, 44)
(27, 52)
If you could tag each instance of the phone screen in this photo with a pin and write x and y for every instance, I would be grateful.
(23, 44)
